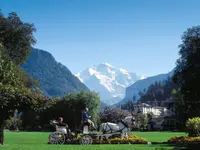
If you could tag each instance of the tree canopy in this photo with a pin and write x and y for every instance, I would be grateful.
(16, 37)
(70, 107)
(187, 73)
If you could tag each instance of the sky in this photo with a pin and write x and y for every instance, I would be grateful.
(141, 36)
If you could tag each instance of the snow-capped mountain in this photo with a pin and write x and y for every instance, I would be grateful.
(108, 81)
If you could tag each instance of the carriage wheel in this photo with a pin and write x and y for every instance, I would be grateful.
(57, 138)
(86, 140)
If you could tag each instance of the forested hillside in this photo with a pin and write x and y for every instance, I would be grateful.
(55, 79)
(158, 92)
(133, 90)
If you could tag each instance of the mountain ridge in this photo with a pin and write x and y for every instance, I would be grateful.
(140, 85)
(55, 79)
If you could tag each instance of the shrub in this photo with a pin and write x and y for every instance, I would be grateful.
(193, 127)
(141, 121)
(184, 140)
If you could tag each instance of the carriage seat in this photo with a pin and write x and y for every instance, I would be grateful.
(61, 129)
(85, 126)
(85, 129)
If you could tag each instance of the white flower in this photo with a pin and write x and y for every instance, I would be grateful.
(149, 143)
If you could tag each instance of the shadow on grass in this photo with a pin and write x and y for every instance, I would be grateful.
(188, 147)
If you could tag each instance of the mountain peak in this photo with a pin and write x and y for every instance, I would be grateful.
(110, 82)
(123, 71)
(104, 65)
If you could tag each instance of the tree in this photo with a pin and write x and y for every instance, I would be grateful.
(180, 106)
(13, 94)
(141, 121)
(187, 73)
(112, 114)
(20, 98)
(70, 107)
(15, 42)
(14, 122)
(129, 105)
(16, 37)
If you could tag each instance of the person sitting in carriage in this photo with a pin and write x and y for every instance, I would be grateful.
(86, 119)
(60, 123)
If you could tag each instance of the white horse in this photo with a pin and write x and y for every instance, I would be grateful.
(123, 127)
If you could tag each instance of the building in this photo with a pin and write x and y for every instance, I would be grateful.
(147, 109)
(170, 120)
(162, 117)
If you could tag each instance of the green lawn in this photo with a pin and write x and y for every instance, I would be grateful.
(38, 141)
(158, 136)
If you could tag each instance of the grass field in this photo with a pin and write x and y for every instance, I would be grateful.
(38, 141)
(158, 136)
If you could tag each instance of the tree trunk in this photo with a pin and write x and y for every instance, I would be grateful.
(1, 132)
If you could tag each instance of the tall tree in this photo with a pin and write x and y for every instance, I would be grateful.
(187, 74)
(16, 38)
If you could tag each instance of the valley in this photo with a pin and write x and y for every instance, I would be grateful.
(114, 85)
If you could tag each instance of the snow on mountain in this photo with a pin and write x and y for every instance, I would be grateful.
(143, 77)
(108, 81)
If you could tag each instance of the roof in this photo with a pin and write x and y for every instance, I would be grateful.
(144, 104)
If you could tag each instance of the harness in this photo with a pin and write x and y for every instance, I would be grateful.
(125, 125)
(114, 131)
(132, 121)
(110, 129)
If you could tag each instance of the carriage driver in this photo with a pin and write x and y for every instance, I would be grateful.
(86, 118)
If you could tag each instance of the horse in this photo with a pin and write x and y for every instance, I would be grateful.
(123, 127)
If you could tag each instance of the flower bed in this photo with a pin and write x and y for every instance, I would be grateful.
(117, 140)
(184, 140)
(132, 139)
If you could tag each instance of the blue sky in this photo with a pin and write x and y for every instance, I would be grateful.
(141, 36)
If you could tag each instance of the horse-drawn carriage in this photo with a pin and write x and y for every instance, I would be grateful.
(63, 135)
